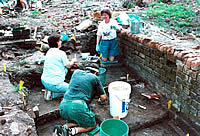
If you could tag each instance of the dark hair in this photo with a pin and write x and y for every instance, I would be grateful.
(107, 11)
(53, 39)
(92, 65)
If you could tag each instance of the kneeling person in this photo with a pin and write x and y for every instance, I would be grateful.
(55, 68)
(74, 107)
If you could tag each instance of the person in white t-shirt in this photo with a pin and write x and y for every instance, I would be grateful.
(107, 37)
(56, 67)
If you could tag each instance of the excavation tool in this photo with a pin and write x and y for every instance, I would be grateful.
(41, 47)
(151, 96)
(139, 106)
(6, 108)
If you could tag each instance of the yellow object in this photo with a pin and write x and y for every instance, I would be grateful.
(188, 134)
(4, 66)
(100, 58)
(100, 55)
(1, 11)
(127, 76)
(23, 99)
(21, 84)
(41, 47)
(74, 38)
(169, 104)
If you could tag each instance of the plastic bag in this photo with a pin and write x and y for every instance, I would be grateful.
(84, 25)
(123, 19)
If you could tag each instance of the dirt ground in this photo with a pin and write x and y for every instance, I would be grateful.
(152, 122)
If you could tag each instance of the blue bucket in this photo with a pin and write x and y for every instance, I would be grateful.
(102, 75)
(136, 24)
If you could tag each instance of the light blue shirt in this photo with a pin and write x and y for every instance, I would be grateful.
(55, 70)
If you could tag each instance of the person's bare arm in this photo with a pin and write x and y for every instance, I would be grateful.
(98, 39)
(72, 63)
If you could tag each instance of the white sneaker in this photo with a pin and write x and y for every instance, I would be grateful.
(47, 95)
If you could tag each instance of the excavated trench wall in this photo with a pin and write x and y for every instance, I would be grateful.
(167, 70)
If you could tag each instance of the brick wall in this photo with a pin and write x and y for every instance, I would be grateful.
(173, 72)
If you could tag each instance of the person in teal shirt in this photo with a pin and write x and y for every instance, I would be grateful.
(74, 108)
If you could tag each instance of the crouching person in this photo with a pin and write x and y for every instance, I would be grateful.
(74, 107)
(55, 69)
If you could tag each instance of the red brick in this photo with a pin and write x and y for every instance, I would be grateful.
(180, 55)
(170, 51)
(172, 59)
(176, 54)
(190, 55)
(122, 32)
(152, 44)
(195, 64)
(133, 36)
(189, 62)
(162, 48)
(145, 41)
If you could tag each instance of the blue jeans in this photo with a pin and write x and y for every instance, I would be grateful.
(57, 90)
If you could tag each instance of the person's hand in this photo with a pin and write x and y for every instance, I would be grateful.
(103, 97)
(75, 62)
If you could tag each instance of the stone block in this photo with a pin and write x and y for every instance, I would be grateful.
(174, 97)
(196, 104)
(177, 106)
(186, 90)
(162, 61)
(171, 76)
(185, 108)
(142, 55)
(193, 111)
(193, 95)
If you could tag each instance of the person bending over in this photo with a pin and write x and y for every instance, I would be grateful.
(74, 107)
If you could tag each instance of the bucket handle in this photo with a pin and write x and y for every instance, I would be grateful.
(122, 100)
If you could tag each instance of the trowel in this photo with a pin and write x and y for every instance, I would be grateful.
(139, 106)
(7, 108)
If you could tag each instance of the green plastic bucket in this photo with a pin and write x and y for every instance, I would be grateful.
(113, 127)
(102, 75)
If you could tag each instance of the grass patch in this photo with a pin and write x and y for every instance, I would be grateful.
(178, 17)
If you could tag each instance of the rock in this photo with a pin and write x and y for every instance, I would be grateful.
(167, 19)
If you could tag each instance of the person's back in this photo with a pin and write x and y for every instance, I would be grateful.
(82, 85)
(74, 107)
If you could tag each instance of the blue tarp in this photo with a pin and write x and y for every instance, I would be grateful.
(128, 18)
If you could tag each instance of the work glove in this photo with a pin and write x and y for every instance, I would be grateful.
(98, 48)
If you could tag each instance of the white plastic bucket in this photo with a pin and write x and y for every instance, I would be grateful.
(119, 93)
